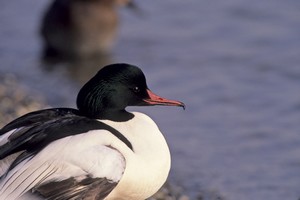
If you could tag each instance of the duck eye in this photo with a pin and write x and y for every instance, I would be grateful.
(136, 89)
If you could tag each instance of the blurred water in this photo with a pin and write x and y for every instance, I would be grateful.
(234, 63)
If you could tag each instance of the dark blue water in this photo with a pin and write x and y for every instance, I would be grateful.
(236, 65)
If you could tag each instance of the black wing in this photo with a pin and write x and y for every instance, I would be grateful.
(38, 117)
(86, 189)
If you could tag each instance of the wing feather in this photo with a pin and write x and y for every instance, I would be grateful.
(89, 188)
(88, 172)
(26, 168)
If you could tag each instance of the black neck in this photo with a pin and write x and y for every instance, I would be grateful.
(113, 115)
(116, 115)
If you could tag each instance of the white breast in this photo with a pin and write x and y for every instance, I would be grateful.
(147, 168)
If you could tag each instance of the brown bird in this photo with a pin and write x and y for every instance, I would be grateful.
(80, 28)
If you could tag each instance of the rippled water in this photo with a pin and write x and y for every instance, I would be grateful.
(236, 65)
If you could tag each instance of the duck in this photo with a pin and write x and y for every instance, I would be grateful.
(79, 29)
(97, 151)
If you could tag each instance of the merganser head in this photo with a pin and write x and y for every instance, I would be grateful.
(114, 88)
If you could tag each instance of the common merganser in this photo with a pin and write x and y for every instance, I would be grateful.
(98, 151)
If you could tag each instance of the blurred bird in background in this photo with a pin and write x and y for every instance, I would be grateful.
(73, 29)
